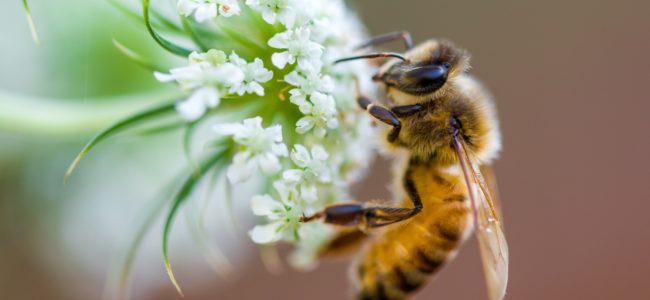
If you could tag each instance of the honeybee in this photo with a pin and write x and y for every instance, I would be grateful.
(443, 134)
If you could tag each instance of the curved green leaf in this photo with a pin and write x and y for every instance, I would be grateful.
(159, 129)
(195, 216)
(117, 128)
(167, 45)
(183, 193)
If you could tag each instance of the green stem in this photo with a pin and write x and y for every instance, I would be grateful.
(31, 115)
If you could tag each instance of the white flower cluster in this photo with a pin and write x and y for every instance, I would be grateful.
(204, 10)
(331, 139)
(212, 74)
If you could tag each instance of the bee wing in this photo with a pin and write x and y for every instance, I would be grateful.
(491, 180)
(489, 231)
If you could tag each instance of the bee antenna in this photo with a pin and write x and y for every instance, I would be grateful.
(371, 55)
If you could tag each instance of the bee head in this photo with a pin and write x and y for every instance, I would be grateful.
(425, 69)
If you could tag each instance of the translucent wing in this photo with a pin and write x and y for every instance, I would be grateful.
(489, 231)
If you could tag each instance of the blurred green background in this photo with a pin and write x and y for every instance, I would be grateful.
(570, 81)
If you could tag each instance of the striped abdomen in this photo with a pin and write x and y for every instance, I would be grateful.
(406, 254)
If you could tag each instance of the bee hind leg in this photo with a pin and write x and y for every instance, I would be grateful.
(354, 214)
(358, 215)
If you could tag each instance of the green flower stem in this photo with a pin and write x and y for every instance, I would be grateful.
(31, 115)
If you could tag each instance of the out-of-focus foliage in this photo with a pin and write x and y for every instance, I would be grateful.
(76, 58)
(53, 96)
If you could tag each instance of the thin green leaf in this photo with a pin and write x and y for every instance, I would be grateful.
(187, 147)
(195, 218)
(159, 129)
(30, 21)
(137, 58)
(117, 128)
(167, 45)
(180, 197)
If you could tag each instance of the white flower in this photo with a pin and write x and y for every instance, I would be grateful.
(273, 10)
(283, 215)
(213, 56)
(299, 48)
(321, 114)
(254, 74)
(203, 73)
(262, 146)
(228, 8)
(208, 76)
(312, 169)
(204, 10)
(308, 81)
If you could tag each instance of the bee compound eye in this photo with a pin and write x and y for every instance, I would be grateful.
(429, 74)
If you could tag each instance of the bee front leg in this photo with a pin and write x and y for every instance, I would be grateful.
(382, 114)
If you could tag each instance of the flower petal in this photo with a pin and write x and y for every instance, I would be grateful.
(281, 59)
(264, 205)
(264, 234)
(300, 155)
(269, 163)
(241, 169)
(190, 110)
(280, 40)
(292, 175)
(280, 150)
(319, 153)
(309, 193)
(205, 12)
(186, 7)
(228, 128)
(163, 77)
(304, 124)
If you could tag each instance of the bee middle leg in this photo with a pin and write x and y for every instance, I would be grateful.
(354, 214)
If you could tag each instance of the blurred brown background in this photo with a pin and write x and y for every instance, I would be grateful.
(571, 83)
